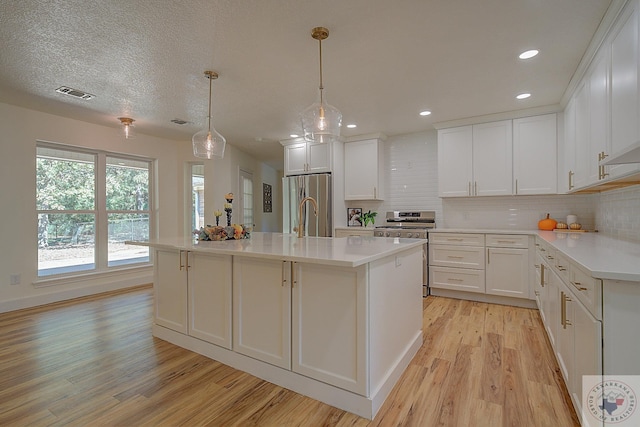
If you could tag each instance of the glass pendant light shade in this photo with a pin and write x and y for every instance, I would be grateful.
(127, 127)
(208, 143)
(321, 121)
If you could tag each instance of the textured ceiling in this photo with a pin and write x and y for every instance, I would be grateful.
(384, 61)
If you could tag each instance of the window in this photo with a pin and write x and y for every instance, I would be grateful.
(88, 203)
(246, 201)
(197, 196)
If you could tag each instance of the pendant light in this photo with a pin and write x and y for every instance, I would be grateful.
(208, 142)
(321, 122)
(127, 127)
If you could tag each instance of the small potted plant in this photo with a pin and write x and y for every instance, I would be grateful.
(369, 218)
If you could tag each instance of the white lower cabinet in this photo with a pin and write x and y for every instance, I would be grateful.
(329, 328)
(573, 329)
(190, 299)
(261, 310)
(492, 264)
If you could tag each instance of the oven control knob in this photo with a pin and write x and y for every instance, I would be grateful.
(398, 234)
(386, 234)
(409, 235)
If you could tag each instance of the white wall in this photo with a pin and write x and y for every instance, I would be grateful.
(20, 129)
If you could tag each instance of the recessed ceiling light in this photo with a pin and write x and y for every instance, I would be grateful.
(351, 126)
(425, 113)
(528, 54)
(293, 135)
(523, 96)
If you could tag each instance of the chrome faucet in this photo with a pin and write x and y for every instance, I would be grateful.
(315, 212)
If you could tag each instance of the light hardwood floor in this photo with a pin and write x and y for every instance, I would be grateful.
(94, 362)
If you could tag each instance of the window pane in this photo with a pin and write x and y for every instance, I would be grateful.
(127, 185)
(124, 227)
(197, 196)
(247, 205)
(65, 180)
(65, 243)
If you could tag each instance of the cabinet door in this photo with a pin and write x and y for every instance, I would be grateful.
(540, 289)
(210, 298)
(564, 338)
(598, 114)
(295, 159)
(457, 279)
(330, 325)
(587, 349)
(362, 169)
(567, 160)
(551, 305)
(319, 157)
(170, 289)
(582, 135)
(262, 310)
(455, 162)
(492, 159)
(535, 155)
(625, 102)
(507, 272)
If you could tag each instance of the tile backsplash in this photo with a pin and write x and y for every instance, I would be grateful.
(618, 213)
(516, 212)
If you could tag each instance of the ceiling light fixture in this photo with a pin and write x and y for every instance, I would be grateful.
(321, 122)
(352, 126)
(425, 113)
(127, 127)
(523, 96)
(294, 135)
(528, 54)
(208, 142)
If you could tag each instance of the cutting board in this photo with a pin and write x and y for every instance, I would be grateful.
(560, 230)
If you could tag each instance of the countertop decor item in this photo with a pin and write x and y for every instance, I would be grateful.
(562, 226)
(369, 218)
(208, 142)
(575, 226)
(227, 207)
(217, 214)
(218, 233)
(547, 223)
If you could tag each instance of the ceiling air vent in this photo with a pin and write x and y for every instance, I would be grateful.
(75, 93)
(179, 121)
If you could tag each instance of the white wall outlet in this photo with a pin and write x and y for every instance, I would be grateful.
(14, 279)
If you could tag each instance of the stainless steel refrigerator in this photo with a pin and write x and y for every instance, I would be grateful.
(294, 190)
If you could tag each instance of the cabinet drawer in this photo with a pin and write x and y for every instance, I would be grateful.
(458, 239)
(587, 289)
(456, 256)
(355, 231)
(458, 279)
(507, 240)
(561, 266)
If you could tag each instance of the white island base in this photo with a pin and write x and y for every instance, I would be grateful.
(337, 320)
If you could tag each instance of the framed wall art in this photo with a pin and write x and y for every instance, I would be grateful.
(354, 217)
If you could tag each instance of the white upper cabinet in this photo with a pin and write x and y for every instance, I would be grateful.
(492, 159)
(567, 155)
(364, 170)
(581, 135)
(475, 160)
(455, 161)
(534, 155)
(625, 101)
(307, 157)
(598, 141)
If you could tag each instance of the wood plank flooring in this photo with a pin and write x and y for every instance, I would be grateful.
(93, 362)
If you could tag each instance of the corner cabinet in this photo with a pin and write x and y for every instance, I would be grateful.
(535, 167)
(301, 157)
(364, 170)
(191, 300)
(475, 160)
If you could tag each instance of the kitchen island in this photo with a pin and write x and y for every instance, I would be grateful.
(337, 319)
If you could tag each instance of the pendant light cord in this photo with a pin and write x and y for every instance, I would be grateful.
(321, 87)
(209, 116)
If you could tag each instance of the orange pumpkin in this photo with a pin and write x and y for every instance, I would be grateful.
(547, 223)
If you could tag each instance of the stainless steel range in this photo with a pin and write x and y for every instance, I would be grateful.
(408, 224)
(412, 225)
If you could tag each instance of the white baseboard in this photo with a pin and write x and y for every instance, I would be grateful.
(493, 299)
(67, 294)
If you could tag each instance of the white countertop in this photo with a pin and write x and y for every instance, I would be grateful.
(349, 251)
(604, 257)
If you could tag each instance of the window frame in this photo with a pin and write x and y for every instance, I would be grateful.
(101, 213)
